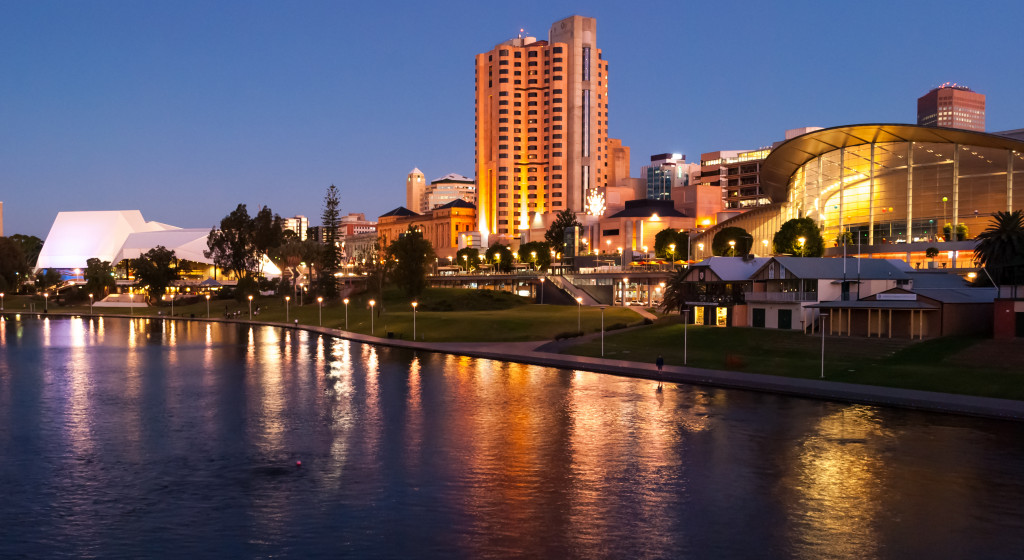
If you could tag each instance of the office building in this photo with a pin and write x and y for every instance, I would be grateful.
(416, 191)
(541, 126)
(738, 175)
(298, 224)
(666, 172)
(448, 188)
(952, 106)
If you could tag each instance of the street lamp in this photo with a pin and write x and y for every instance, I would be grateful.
(345, 301)
(945, 220)
(131, 304)
(465, 259)
(686, 321)
(732, 247)
(46, 302)
(672, 250)
(625, 284)
(172, 304)
(602, 308)
(533, 257)
(765, 243)
(90, 304)
(414, 305)
(286, 300)
(250, 307)
(372, 303)
(823, 317)
(207, 306)
(542, 291)
(579, 314)
(320, 309)
(802, 241)
(700, 246)
(1, 301)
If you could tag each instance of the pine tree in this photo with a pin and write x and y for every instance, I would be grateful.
(331, 256)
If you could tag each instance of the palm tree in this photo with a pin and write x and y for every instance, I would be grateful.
(675, 292)
(1001, 245)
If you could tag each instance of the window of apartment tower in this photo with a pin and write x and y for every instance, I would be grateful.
(518, 54)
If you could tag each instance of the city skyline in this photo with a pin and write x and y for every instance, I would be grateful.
(184, 111)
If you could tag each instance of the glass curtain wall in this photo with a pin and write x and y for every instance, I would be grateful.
(869, 193)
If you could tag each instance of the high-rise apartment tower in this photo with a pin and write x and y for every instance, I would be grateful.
(416, 191)
(952, 106)
(541, 126)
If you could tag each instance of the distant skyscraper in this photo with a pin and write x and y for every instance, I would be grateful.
(298, 224)
(541, 125)
(952, 106)
(416, 192)
(665, 172)
(448, 188)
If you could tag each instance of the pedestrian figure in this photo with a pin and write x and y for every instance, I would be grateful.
(660, 362)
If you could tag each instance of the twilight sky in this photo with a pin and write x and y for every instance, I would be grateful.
(184, 109)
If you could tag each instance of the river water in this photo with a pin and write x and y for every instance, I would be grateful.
(140, 438)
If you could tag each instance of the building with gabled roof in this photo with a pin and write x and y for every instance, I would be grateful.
(442, 227)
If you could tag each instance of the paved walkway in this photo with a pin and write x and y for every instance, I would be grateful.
(539, 353)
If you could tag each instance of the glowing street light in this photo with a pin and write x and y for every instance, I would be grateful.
(46, 302)
(320, 309)
(765, 243)
(672, 250)
(372, 303)
(732, 247)
(625, 286)
(250, 307)
(345, 301)
(542, 291)
(172, 304)
(207, 306)
(286, 300)
(131, 304)
(465, 259)
(579, 314)
(700, 247)
(1, 301)
(414, 306)
(90, 304)
(802, 241)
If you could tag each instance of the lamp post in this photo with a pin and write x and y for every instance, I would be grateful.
(131, 304)
(172, 305)
(372, 303)
(765, 243)
(90, 304)
(542, 291)
(207, 306)
(1, 301)
(686, 321)
(320, 309)
(345, 301)
(46, 302)
(533, 258)
(625, 285)
(286, 300)
(823, 317)
(602, 308)
(250, 307)
(700, 247)
(465, 259)
(732, 247)
(672, 250)
(579, 314)
(414, 306)
(945, 220)
(802, 241)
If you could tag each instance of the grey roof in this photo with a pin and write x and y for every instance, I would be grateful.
(961, 295)
(936, 280)
(401, 211)
(453, 178)
(870, 269)
(458, 203)
(645, 208)
(732, 269)
(873, 304)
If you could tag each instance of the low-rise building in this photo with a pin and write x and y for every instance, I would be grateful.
(442, 226)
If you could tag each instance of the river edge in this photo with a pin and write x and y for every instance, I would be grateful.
(528, 353)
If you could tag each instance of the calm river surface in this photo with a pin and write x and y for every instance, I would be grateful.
(136, 438)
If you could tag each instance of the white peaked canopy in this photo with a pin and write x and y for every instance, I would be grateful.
(76, 237)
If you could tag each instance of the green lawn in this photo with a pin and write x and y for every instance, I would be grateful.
(478, 315)
(945, 365)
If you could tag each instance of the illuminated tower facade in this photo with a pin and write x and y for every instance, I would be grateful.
(952, 106)
(541, 126)
(416, 191)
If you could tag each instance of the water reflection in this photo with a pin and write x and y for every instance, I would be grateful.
(191, 447)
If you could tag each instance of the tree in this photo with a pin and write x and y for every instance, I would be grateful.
(664, 241)
(413, 256)
(1001, 246)
(99, 278)
(555, 236)
(500, 256)
(13, 264)
(961, 231)
(536, 253)
(377, 266)
(674, 296)
(787, 239)
(720, 244)
(231, 246)
(30, 247)
(468, 258)
(156, 268)
(267, 235)
(331, 255)
(47, 279)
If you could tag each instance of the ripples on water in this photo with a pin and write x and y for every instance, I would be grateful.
(143, 438)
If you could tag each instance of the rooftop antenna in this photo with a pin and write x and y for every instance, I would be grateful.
(521, 31)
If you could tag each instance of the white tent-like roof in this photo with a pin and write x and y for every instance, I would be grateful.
(187, 244)
(76, 237)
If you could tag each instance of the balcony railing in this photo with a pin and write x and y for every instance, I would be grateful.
(781, 297)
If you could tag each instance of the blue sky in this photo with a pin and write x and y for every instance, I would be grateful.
(184, 109)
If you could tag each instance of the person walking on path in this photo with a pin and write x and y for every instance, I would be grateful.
(660, 362)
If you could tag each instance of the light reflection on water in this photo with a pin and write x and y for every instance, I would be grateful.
(158, 449)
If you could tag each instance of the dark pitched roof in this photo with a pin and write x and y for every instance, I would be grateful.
(645, 208)
(401, 212)
(458, 203)
(828, 268)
